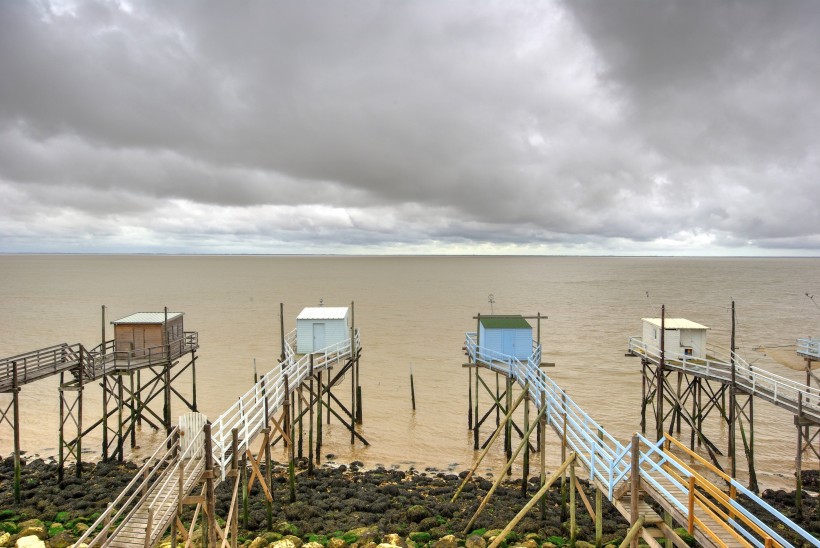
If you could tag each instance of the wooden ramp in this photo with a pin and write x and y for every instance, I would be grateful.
(713, 516)
(142, 513)
(158, 509)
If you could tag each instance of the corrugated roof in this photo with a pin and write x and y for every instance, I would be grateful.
(147, 317)
(505, 322)
(675, 323)
(323, 313)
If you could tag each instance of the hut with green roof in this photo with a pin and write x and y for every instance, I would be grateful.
(508, 335)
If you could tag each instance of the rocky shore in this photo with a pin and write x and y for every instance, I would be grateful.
(337, 507)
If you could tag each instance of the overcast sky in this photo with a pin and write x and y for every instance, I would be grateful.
(609, 127)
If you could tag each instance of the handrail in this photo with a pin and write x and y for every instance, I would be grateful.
(138, 484)
(609, 461)
(809, 346)
(779, 390)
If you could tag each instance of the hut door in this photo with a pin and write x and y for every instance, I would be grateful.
(508, 342)
(318, 336)
(139, 341)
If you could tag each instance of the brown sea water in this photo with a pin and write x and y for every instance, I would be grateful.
(412, 313)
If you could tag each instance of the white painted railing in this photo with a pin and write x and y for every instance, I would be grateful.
(781, 391)
(809, 347)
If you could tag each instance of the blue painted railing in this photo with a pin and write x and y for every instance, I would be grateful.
(606, 458)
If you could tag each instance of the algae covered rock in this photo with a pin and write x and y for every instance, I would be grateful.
(416, 513)
(475, 541)
(284, 543)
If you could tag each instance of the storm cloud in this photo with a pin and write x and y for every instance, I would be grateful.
(622, 127)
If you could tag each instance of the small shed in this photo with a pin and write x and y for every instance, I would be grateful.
(143, 331)
(509, 335)
(320, 327)
(681, 336)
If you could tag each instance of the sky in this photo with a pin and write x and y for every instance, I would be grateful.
(616, 127)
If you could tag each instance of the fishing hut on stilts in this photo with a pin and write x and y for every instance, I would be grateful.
(139, 372)
(686, 381)
(285, 406)
(498, 339)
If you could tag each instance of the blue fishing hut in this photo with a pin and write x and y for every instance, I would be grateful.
(509, 335)
(320, 327)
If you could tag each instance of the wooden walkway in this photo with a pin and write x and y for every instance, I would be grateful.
(794, 397)
(143, 512)
(713, 516)
(75, 358)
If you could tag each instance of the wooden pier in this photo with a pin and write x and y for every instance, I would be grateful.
(630, 475)
(134, 379)
(684, 389)
(198, 455)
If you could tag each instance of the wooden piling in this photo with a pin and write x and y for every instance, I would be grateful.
(572, 487)
(564, 455)
(16, 415)
(635, 485)
(319, 420)
(527, 507)
(291, 464)
(210, 499)
(798, 461)
(525, 472)
(412, 390)
(542, 452)
(659, 378)
(310, 419)
(469, 395)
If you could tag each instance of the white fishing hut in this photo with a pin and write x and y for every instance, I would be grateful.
(509, 335)
(142, 332)
(320, 327)
(681, 336)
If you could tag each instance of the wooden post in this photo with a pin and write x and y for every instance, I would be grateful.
(526, 467)
(412, 390)
(644, 365)
(542, 452)
(564, 456)
(635, 485)
(61, 435)
(193, 381)
(469, 394)
(167, 380)
(659, 381)
(104, 390)
(133, 408)
(268, 461)
(16, 415)
(732, 401)
(210, 499)
(80, 383)
(291, 469)
(475, 419)
(282, 333)
(572, 487)
(310, 420)
(235, 469)
(599, 525)
(319, 420)
(299, 414)
(508, 427)
(798, 461)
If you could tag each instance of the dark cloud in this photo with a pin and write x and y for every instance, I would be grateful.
(588, 127)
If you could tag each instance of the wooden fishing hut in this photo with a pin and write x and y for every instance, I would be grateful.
(144, 334)
(320, 327)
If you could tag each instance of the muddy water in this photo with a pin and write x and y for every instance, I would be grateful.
(412, 312)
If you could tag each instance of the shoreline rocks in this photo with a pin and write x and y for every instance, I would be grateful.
(336, 507)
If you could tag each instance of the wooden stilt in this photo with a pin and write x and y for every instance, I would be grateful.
(525, 510)
(525, 472)
(635, 486)
(15, 383)
(469, 396)
(572, 527)
(310, 420)
(542, 450)
(319, 420)
(210, 499)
